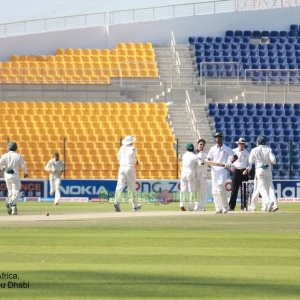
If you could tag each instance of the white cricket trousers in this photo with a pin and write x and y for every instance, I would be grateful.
(55, 188)
(201, 186)
(126, 177)
(13, 185)
(187, 190)
(220, 197)
(263, 185)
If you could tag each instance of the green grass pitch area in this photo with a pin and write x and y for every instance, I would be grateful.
(188, 255)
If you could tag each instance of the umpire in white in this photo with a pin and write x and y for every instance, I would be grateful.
(240, 170)
(127, 175)
(263, 158)
(10, 163)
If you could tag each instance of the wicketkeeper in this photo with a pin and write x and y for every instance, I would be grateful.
(10, 163)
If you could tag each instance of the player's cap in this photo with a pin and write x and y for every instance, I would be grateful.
(189, 147)
(218, 134)
(261, 140)
(241, 141)
(128, 140)
(12, 146)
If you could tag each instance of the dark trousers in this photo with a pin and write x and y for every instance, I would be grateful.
(237, 180)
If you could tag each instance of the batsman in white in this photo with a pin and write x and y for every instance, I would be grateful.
(190, 163)
(263, 158)
(220, 153)
(127, 175)
(55, 167)
(10, 163)
(201, 177)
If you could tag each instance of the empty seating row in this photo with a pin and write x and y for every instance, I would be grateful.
(282, 132)
(96, 66)
(90, 148)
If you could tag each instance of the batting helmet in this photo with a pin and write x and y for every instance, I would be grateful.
(12, 146)
(261, 140)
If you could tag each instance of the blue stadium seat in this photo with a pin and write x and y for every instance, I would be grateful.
(265, 33)
(296, 132)
(218, 39)
(228, 140)
(288, 106)
(297, 112)
(200, 39)
(294, 175)
(276, 119)
(277, 132)
(192, 40)
(229, 33)
(221, 105)
(249, 132)
(283, 146)
(296, 139)
(296, 166)
(274, 146)
(288, 112)
(276, 174)
(256, 34)
(295, 122)
(296, 106)
(294, 27)
(286, 125)
(274, 33)
(283, 174)
(247, 33)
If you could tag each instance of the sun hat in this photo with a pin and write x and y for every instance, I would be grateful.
(128, 140)
(241, 141)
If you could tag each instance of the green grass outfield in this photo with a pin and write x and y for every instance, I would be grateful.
(190, 256)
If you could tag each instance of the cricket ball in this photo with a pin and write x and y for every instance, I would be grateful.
(47, 214)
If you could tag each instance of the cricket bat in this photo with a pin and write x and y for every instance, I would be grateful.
(214, 163)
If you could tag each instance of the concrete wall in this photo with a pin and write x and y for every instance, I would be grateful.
(156, 32)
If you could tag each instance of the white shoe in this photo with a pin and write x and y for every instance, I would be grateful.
(275, 208)
(136, 208)
(14, 210)
(270, 206)
(225, 210)
(251, 209)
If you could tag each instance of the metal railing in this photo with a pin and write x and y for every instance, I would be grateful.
(137, 15)
(192, 117)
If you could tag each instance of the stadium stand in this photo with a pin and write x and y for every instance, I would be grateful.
(282, 132)
(87, 133)
(89, 66)
(275, 55)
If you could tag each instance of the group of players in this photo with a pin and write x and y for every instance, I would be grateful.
(222, 159)
(10, 164)
(193, 181)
